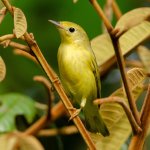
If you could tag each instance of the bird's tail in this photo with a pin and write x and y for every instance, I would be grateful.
(94, 121)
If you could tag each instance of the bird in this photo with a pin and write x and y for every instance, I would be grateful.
(79, 74)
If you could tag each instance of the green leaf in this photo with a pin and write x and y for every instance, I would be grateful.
(2, 69)
(103, 48)
(115, 117)
(20, 23)
(12, 105)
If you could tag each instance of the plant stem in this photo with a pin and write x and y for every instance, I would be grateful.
(101, 14)
(121, 65)
(62, 131)
(7, 37)
(48, 87)
(33, 129)
(120, 60)
(114, 99)
(116, 10)
(55, 81)
(138, 140)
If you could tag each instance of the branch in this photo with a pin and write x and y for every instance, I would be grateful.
(55, 81)
(63, 131)
(6, 37)
(25, 54)
(48, 87)
(3, 12)
(101, 14)
(56, 112)
(136, 129)
(116, 10)
(137, 141)
(120, 60)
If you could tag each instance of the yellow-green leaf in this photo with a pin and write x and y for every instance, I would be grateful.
(2, 69)
(132, 18)
(103, 48)
(144, 54)
(20, 23)
(115, 117)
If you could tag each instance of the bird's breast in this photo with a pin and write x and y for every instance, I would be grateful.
(75, 71)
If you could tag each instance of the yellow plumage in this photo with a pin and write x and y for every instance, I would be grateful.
(79, 73)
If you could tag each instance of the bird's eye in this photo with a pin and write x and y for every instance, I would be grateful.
(71, 29)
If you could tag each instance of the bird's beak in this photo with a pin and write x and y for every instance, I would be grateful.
(57, 24)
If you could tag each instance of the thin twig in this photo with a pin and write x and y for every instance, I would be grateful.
(55, 81)
(25, 54)
(56, 112)
(63, 131)
(137, 141)
(120, 60)
(17, 46)
(33, 129)
(108, 12)
(134, 63)
(48, 87)
(116, 10)
(3, 12)
(121, 65)
(136, 129)
(7, 37)
(101, 14)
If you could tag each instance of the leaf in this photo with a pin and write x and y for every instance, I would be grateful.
(20, 23)
(115, 117)
(126, 21)
(2, 69)
(144, 54)
(12, 105)
(103, 48)
(23, 142)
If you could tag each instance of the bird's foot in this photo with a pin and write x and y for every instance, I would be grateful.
(75, 113)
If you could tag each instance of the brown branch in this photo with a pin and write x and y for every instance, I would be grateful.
(55, 81)
(136, 129)
(121, 65)
(120, 60)
(116, 9)
(17, 46)
(56, 112)
(7, 37)
(3, 12)
(63, 131)
(134, 63)
(25, 54)
(108, 12)
(48, 87)
(101, 14)
(33, 129)
(137, 141)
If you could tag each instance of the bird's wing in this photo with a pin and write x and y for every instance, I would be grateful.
(97, 75)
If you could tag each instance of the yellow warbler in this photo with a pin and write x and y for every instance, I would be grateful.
(79, 73)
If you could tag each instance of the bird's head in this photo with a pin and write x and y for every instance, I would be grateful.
(70, 32)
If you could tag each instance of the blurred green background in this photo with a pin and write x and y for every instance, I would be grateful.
(20, 70)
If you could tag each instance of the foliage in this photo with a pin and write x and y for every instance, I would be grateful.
(124, 38)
